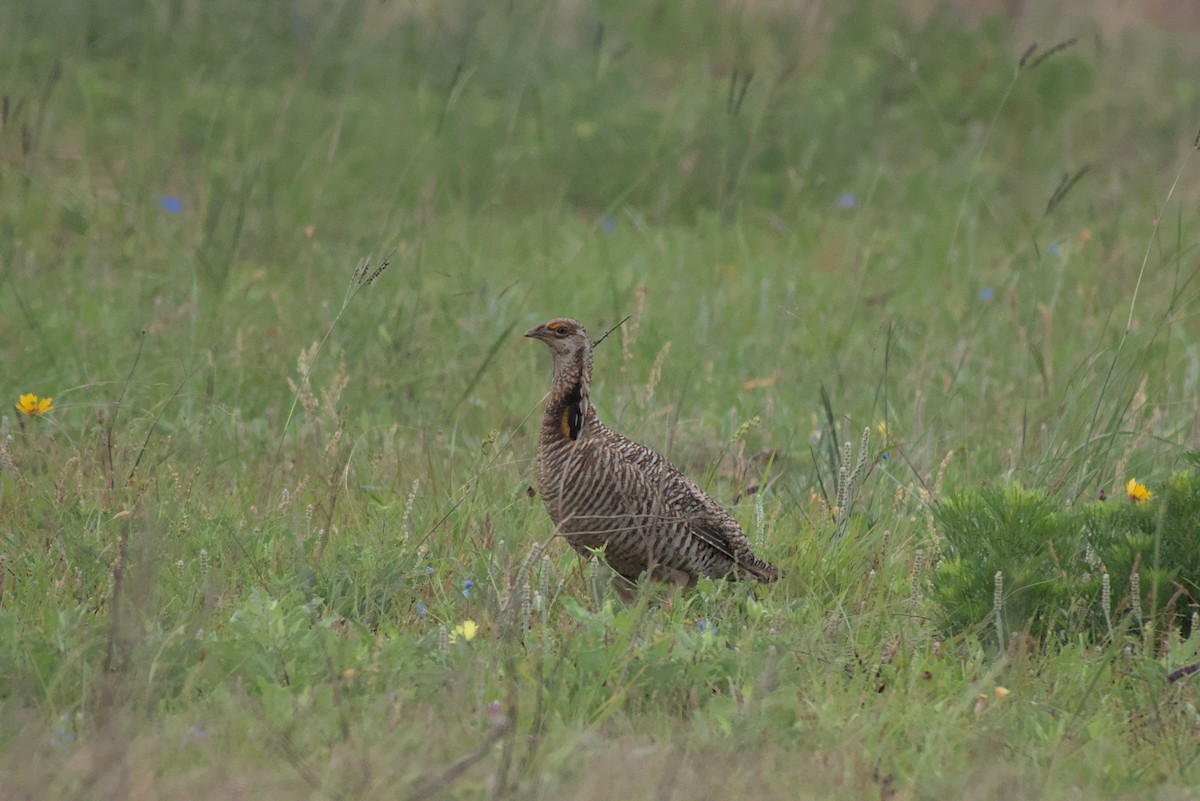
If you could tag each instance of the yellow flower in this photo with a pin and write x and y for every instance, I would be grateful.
(1001, 692)
(1138, 492)
(32, 405)
(466, 630)
(882, 428)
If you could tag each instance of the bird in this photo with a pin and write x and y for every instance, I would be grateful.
(608, 494)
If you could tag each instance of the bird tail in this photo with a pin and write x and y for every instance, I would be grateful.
(760, 571)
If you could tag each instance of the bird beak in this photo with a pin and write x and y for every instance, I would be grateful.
(534, 332)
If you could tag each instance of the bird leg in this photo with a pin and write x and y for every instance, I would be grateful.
(627, 590)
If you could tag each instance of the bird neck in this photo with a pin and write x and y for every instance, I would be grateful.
(568, 405)
(572, 374)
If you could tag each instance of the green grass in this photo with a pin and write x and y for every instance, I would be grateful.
(235, 553)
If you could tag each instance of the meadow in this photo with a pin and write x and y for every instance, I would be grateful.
(275, 534)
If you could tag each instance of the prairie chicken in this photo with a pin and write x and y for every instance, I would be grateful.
(604, 491)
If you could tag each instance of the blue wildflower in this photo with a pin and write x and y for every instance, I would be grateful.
(1054, 249)
(985, 294)
(608, 224)
(467, 585)
(171, 204)
(704, 627)
(847, 200)
(421, 609)
(63, 734)
(428, 569)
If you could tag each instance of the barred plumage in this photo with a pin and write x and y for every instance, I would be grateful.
(604, 491)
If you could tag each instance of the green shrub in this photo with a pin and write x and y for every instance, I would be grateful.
(1016, 533)
(1158, 541)
(1018, 560)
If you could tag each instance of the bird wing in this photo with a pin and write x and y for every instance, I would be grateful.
(717, 528)
(643, 473)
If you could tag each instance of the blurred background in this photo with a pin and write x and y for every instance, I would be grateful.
(790, 192)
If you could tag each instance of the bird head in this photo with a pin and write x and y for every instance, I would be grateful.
(565, 337)
(568, 341)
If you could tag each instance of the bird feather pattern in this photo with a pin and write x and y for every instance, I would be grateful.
(604, 491)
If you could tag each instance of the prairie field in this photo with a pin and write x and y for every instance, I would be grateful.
(268, 526)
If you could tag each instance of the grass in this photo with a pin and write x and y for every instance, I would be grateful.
(236, 553)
